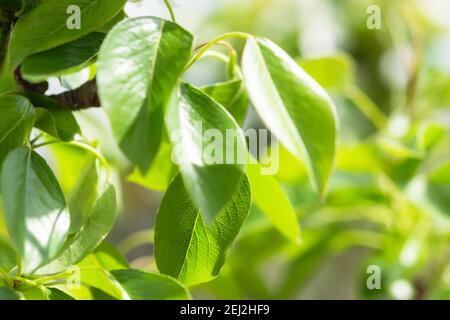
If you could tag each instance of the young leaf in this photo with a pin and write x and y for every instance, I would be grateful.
(56, 294)
(46, 26)
(17, 116)
(99, 224)
(211, 159)
(140, 285)
(293, 106)
(187, 249)
(270, 198)
(59, 121)
(36, 213)
(65, 59)
(135, 81)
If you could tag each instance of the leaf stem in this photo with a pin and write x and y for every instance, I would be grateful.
(60, 275)
(207, 46)
(76, 144)
(169, 7)
(136, 240)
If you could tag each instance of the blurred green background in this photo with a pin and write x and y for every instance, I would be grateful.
(389, 199)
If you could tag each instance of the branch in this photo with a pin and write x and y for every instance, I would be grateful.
(83, 97)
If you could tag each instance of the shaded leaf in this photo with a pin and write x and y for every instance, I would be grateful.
(8, 255)
(59, 118)
(187, 249)
(140, 285)
(64, 59)
(98, 225)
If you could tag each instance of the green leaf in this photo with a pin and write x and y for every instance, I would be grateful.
(135, 81)
(56, 294)
(8, 294)
(30, 35)
(333, 73)
(65, 59)
(140, 285)
(96, 266)
(161, 172)
(98, 225)
(293, 106)
(232, 95)
(46, 122)
(19, 6)
(16, 120)
(273, 202)
(83, 196)
(431, 193)
(211, 160)
(187, 249)
(36, 213)
(109, 257)
(13, 5)
(59, 121)
(8, 255)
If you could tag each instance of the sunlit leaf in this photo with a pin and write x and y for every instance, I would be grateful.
(211, 160)
(135, 81)
(293, 106)
(16, 120)
(36, 213)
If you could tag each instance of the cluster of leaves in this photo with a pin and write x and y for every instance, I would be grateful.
(386, 202)
(138, 64)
